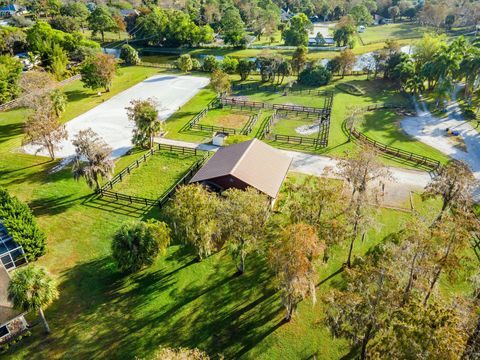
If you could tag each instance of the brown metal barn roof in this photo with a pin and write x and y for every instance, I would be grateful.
(253, 162)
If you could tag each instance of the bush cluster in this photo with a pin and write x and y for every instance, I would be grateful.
(21, 225)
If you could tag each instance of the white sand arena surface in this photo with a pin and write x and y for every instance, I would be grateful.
(110, 120)
(432, 131)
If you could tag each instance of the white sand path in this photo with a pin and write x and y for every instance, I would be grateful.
(432, 131)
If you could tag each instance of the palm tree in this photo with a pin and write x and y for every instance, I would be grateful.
(470, 69)
(144, 114)
(32, 288)
(443, 91)
(416, 84)
(99, 164)
(59, 101)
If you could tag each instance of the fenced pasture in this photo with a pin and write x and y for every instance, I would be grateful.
(293, 127)
(153, 178)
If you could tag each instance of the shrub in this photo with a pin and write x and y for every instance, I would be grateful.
(229, 65)
(315, 76)
(350, 89)
(21, 225)
(210, 63)
(184, 63)
(129, 55)
(138, 244)
(235, 139)
(196, 64)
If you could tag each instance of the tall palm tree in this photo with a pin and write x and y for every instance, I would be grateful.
(144, 114)
(443, 91)
(93, 158)
(470, 69)
(32, 289)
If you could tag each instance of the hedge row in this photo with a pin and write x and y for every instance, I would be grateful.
(21, 225)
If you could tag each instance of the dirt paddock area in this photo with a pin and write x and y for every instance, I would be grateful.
(234, 120)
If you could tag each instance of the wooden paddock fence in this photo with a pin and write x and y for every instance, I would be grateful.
(424, 161)
(107, 189)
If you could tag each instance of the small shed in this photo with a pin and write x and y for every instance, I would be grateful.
(247, 164)
(219, 138)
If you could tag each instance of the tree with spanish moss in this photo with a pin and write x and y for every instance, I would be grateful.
(244, 218)
(195, 218)
(293, 258)
(93, 159)
(454, 184)
(360, 171)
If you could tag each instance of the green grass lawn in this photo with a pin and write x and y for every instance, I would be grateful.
(290, 124)
(380, 33)
(177, 302)
(384, 126)
(155, 176)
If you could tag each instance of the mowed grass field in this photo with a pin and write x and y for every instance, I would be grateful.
(177, 302)
(290, 125)
(155, 176)
(398, 31)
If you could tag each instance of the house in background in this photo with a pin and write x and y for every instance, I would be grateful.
(9, 10)
(12, 322)
(247, 164)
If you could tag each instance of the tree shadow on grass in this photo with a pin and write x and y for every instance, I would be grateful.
(77, 95)
(52, 205)
(102, 313)
(9, 131)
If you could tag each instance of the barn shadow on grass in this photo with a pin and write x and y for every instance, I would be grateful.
(102, 313)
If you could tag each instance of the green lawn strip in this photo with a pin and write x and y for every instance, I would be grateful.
(155, 176)
(176, 125)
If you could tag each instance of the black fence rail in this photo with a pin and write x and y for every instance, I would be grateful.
(262, 105)
(268, 133)
(252, 120)
(134, 165)
(280, 88)
(245, 130)
(192, 170)
(420, 160)
(107, 189)
(214, 128)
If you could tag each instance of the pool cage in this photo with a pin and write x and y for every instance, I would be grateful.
(11, 254)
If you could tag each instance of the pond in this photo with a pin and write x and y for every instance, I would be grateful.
(363, 61)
